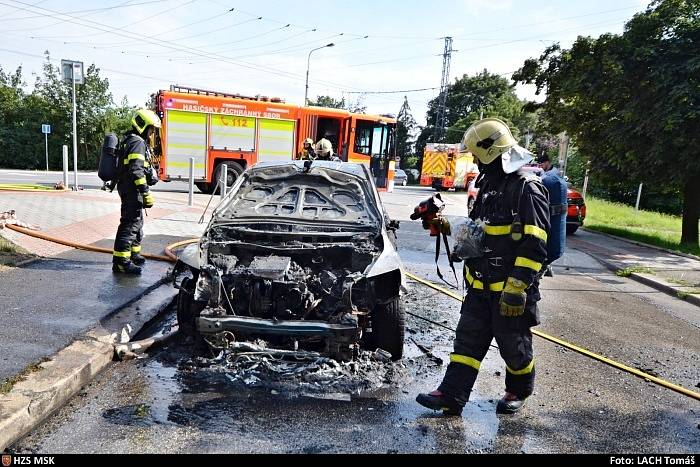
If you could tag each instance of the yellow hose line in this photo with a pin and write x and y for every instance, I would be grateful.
(169, 249)
(37, 188)
(581, 350)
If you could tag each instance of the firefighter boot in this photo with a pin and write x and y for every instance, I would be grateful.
(436, 400)
(510, 404)
(125, 267)
(138, 259)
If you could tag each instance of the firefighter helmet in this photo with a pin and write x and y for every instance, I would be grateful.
(308, 141)
(144, 118)
(487, 139)
(324, 148)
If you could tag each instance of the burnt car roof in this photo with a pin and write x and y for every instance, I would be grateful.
(334, 192)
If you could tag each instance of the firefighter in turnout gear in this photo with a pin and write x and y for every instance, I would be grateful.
(503, 292)
(133, 188)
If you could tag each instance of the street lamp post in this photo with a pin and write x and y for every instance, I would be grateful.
(308, 63)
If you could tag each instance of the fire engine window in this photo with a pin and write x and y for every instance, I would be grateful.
(363, 137)
(380, 140)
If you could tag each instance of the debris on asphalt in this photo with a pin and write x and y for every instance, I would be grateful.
(253, 365)
(10, 218)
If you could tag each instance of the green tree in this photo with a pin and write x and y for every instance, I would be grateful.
(467, 99)
(405, 133)
(328, 101)
(93, 104)
(632, 101)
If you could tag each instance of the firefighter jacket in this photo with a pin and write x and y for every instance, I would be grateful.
(135, 161)
(515, 208)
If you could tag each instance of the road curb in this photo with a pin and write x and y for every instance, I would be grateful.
(646, 279)
(33, 400)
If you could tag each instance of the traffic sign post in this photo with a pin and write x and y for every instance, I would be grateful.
(73, 72)
(46, 129)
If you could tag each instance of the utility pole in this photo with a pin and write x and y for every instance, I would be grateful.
(441, 120)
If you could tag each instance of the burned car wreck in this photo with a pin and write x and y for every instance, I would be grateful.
(301, 255)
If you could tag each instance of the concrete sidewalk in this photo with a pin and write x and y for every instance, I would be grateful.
(675, 274)
(48, 303)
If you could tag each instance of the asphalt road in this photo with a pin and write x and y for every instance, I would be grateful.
(169, 402)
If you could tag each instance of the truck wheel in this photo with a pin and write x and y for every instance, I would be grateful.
(571, 229)
(388, 327)
(233, 171)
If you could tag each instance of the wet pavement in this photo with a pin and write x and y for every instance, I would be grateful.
(170, 403)
(70, 293)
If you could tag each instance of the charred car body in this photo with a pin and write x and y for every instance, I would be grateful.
(302, 255)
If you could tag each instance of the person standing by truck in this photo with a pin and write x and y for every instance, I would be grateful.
(133, 187)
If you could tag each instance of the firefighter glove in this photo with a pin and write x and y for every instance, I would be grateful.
(513, 298)
(148, 200)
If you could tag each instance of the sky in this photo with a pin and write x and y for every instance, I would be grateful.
(262, 47)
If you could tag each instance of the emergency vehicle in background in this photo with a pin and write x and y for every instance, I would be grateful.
(444, 167)
(216, 128)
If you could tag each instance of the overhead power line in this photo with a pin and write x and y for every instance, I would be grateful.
(170, 45)
(399, 91)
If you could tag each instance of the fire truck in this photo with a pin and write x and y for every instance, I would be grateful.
(218, 129)
(445, 167)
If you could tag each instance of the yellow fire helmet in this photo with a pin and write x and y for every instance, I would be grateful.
(143, 118)
(487, 139)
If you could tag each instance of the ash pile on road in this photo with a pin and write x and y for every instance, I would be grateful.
(299, 372)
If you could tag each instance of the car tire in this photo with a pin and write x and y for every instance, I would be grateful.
(204, 187)
(233, 171)
(187, 309)
(571, 229)
(388, 328)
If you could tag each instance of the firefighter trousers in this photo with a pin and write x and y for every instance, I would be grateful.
(480, 322)
(130, 230)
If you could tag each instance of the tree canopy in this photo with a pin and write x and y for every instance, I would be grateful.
(22, 113)
(471, 96)
(631, 102)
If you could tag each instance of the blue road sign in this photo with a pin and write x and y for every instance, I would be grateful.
(46, 129)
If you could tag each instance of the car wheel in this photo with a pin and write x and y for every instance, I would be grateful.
(571, 229)
(388, 327)
(233, 171)
(187, 309)
(204, 187)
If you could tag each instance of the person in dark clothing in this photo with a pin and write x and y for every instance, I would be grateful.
(503, 291)
(133, 187)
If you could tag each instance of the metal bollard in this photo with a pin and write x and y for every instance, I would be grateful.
(639, 197)
(75, 169)
(65, 166)
(222, 182)
(190, 199)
